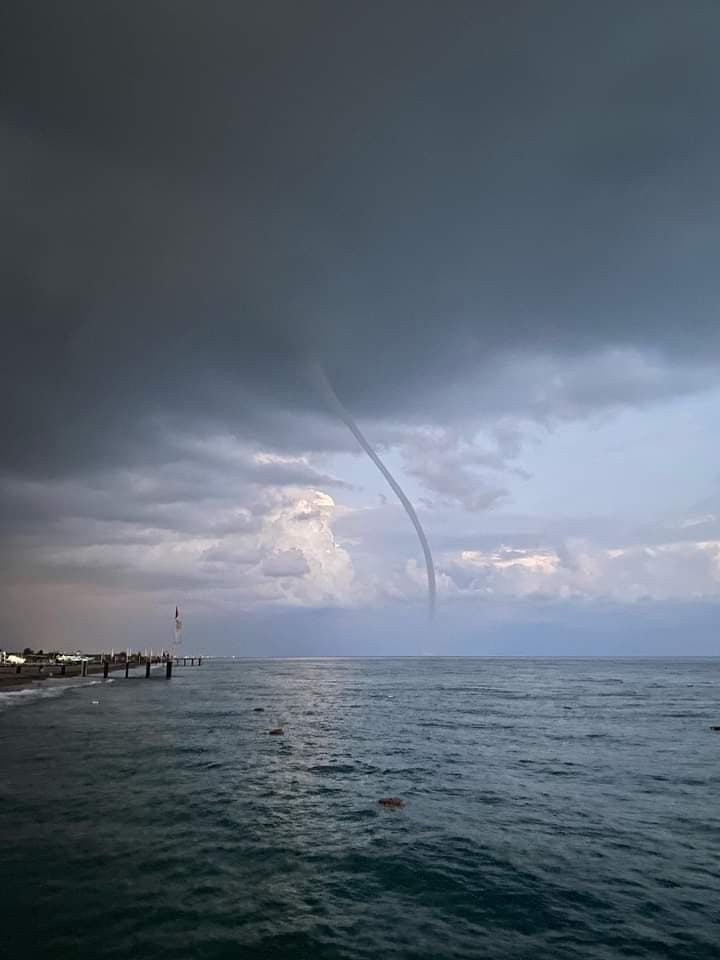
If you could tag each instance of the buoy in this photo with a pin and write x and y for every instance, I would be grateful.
(277, 732)
(391, 802)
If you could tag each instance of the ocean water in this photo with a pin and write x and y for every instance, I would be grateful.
(554, 809)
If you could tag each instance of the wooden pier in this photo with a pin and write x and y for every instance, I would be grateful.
(39, 670)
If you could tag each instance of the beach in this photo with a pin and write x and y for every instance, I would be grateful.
(32, 674)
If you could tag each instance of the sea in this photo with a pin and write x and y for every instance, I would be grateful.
(554, 808)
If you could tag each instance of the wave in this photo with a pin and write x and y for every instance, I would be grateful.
(49, 690)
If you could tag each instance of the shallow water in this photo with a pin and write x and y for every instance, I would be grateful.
(556, 808)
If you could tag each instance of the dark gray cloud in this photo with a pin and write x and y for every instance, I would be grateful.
(194, 196)
(173, 495)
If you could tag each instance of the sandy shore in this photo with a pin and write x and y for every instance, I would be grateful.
(8, 682)
(11, 680)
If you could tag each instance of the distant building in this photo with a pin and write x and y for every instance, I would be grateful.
(13, 658)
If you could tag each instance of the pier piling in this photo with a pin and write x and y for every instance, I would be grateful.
(106, 670)
(147, 669)
(168, 670)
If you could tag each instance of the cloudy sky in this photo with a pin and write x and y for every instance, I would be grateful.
(496, 227)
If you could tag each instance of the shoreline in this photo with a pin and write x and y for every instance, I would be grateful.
(10, 680)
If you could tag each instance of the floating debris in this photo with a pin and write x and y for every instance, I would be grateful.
(277, 732)
(715, 728)
(258, 709)
(391, 802)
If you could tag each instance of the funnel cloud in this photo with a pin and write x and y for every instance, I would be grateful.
(323, 385)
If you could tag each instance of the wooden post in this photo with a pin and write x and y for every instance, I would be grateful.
(84, 668)
(199, 661)
(62, 669)
(168, 669)
(127, 668)
(106, 668)
(192, 661)
(147, 669)
(184, 661)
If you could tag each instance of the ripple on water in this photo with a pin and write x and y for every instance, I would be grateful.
(176, 828)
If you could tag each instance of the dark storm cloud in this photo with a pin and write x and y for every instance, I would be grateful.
(196, 195)
(174, 495)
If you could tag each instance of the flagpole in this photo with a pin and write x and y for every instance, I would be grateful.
(178, 630)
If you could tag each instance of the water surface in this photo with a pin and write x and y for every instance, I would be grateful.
(555, 808)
